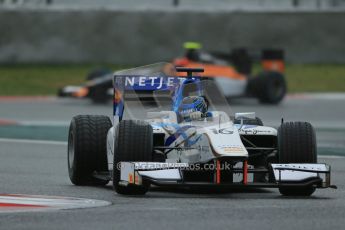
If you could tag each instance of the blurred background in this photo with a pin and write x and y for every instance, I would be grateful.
(64, 39)
(46, 45)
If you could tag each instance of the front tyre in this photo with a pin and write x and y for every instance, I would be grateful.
(87, 148)
(297, 144)
(133, 143)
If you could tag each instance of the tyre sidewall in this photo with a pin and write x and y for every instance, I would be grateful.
(263, 87)
(72, 168)
(129, 189)
(287, 152)
(87, 134)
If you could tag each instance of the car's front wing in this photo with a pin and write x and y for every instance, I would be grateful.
(171, 174)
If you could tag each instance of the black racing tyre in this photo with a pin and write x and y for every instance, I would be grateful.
(133, 142)
(87, 151)
(99, 94)
(61, 93)
(269, 87)
(97, 73)
(257, 121)
(297, 144)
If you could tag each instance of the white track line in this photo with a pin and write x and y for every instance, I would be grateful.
(49, 203)
(26, 141)
(319, 96)
(44, 123)
(330, 157)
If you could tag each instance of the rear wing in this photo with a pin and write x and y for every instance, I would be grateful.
(243, 58)
(273, 60)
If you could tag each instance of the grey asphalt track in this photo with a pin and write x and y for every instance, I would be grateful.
(325, 112)
(41, 169)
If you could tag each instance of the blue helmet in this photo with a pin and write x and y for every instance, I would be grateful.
(192, 104)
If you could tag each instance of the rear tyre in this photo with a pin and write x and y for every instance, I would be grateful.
(133, 142)
(269, 87)
(99, 92)
(87, 149)
(297, 144)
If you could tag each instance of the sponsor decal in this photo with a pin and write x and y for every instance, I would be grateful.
(232, 149)
(253, 131)
(142, 82)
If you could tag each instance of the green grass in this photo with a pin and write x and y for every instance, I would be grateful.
(42, 79)
(35, 79)
(316, 78)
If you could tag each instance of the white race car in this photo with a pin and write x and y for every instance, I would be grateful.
(149, 143)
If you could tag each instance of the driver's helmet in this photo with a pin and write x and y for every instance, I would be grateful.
(192, 104)
(192, 50)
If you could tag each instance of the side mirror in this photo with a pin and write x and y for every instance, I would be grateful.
(248, 115)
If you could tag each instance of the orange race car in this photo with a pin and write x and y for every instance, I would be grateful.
(233, 72)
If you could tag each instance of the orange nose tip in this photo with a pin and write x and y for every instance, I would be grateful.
(82, 92)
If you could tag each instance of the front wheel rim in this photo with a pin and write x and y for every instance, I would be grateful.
(70, 151)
